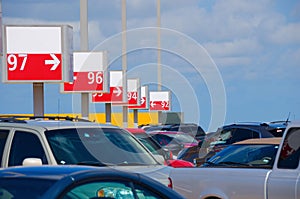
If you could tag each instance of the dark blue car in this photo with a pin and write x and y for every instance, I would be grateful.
(79, 182)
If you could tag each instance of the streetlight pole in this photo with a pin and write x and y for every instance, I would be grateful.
(124, 63)
(158, 55)
(84, 48)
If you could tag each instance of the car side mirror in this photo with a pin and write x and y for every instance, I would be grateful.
(32, 162)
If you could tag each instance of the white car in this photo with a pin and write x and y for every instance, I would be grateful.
(70, 141)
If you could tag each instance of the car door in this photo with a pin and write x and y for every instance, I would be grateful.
(25, 144)
(283, 182)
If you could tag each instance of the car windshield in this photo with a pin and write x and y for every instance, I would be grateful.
(24, 187)
(107, 146)
(251, 155)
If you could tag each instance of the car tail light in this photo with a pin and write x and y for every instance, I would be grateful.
(170, 185)
(218, 148)
(171, 155)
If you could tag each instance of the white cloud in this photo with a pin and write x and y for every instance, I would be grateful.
(233, 48)
(287, 34)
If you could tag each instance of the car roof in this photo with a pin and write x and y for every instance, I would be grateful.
(167, 132)
(65, 175)
(45, 171)
(135, 130)
(50, 123)
(275, 140)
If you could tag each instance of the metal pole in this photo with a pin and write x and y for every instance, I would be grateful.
(158, 48)
(38, 99)
(124, 62)
(158, 56)
(108, 113)
(135, 117)
(84, 47)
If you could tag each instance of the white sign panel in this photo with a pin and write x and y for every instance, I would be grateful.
(159, 100)
(38, 53)
(89, 73)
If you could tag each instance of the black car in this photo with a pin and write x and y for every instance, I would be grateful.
(228, 135)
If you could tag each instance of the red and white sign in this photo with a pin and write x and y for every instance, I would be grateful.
(89, 73)
(37, 53)
(133, 93)
(143, 99)
(116, 89)
(159, 101)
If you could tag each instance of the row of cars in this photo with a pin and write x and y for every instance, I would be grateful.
(180, 139)
(243, 160)
(72, 141)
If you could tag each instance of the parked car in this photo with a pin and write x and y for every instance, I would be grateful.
(158, 150)
(174, 140)
(226, 136)
(252, 153)
(73, 182)
(193, 129)
(71, 141)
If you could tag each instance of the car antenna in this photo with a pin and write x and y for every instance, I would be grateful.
(288, 118)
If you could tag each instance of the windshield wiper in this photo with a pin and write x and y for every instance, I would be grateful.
(132, 164)
(233, 163)
(94, 163)
(225, 163)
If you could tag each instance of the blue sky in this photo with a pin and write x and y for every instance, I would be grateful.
(224, 61)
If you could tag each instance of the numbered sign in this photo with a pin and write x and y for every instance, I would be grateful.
(37, 53)
(143, 100)
(115, 91)
(133, 93)
(159, 101)
(89, 73)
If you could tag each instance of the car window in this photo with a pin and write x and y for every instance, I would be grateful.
(25, 145)
(251, 155)
(98, 145)
(290, 152)
(162, 139)
(110, 189)
(241, 134)
(3, 138)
